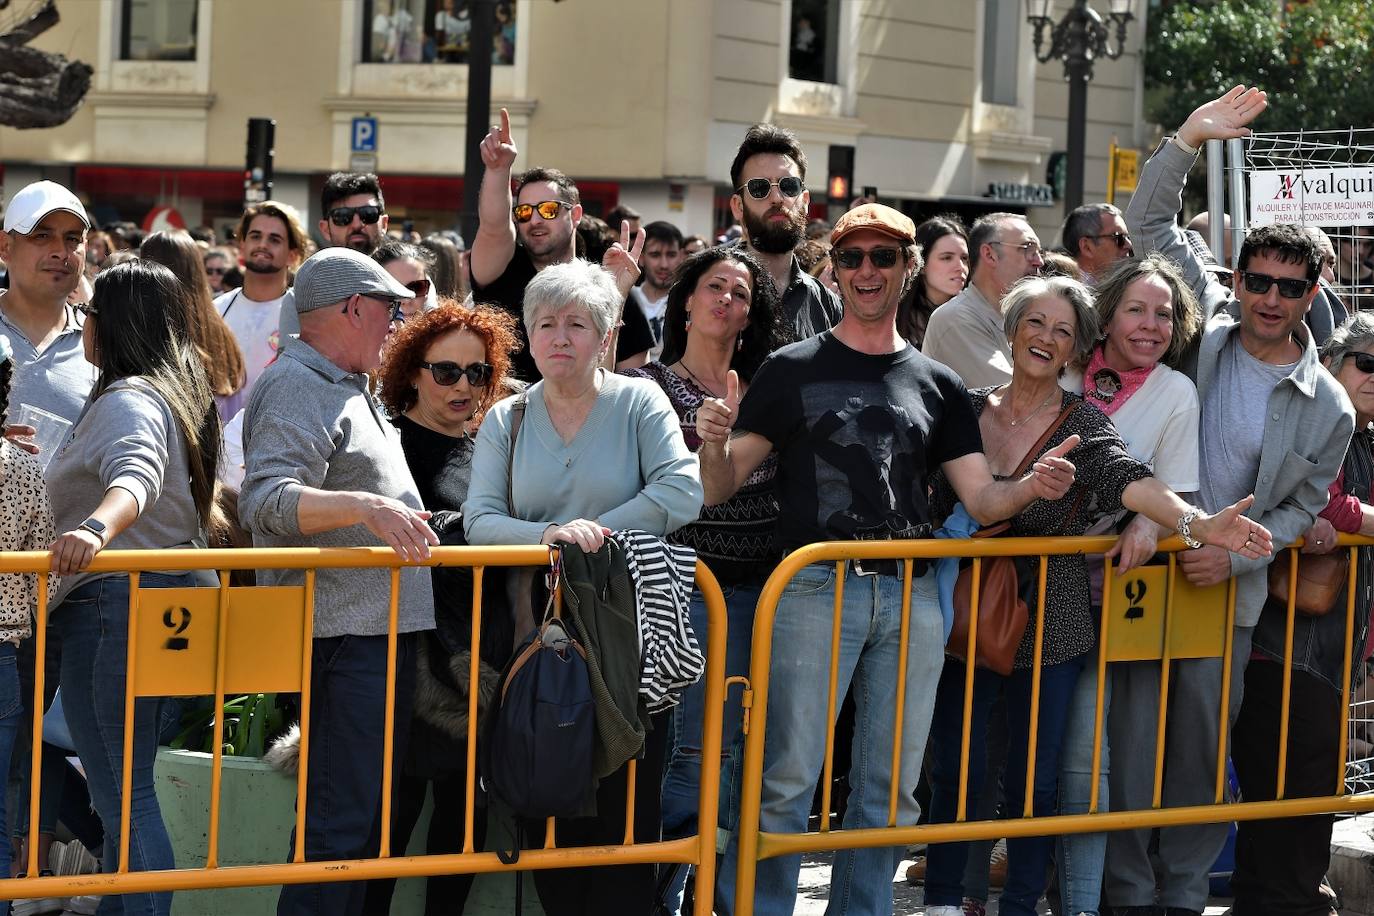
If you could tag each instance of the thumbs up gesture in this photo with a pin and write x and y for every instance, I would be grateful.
(716, 416)
(1053, 475)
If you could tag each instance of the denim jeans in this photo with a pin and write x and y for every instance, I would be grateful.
(869, 652)
(94, 625)
(1027, 858)
(682, 779)
(344, 783)
(11, 713)
(1083, 855)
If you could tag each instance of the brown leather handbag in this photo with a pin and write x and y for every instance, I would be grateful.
(1321, 578)
(1002, 610)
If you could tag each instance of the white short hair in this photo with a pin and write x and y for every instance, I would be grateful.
(582, 282)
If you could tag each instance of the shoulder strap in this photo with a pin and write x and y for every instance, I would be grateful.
(1040, 443)
(517, 415)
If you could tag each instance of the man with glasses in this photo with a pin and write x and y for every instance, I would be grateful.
(517, 238)
(1273, 423)
(354, 211)
(967, 332)
(859, 420)
(1095, 235)
(771, 203)
(324, 468)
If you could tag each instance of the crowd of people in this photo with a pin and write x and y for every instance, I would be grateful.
(565, 380)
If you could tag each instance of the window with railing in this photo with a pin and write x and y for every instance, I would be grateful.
(158, 29)
(433, 31)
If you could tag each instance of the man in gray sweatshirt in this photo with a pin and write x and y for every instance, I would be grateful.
(324, 468)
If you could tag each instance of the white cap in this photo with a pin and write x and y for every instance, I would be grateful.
(29, 206)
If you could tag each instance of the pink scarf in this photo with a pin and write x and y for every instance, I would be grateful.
(1107, 389)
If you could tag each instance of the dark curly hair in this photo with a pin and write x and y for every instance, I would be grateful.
(495, 326)
(766, 330)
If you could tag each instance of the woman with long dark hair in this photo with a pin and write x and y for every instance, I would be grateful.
(136, 472)
(944, 271)
(211, 336)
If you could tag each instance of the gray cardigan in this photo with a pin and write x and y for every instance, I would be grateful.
(311, 424)
(1310, 416)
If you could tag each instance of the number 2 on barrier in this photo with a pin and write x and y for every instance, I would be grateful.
(1137, 608)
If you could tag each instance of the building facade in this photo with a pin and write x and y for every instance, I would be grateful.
(642, 102)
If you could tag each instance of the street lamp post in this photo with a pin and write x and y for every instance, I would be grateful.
(1078, 39)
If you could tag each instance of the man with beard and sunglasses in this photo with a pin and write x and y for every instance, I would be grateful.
(1095, 235)
(1274, 423)
(354, 211)
(271, 243)
(771, 202)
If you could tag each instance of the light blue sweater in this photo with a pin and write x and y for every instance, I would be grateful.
(627, 467)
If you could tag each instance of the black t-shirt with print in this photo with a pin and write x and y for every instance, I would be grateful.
(857, 436)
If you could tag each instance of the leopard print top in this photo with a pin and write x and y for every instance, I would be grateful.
(25, 524)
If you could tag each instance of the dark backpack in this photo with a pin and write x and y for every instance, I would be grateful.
(541, 729)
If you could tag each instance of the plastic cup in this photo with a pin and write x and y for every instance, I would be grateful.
(51, 431)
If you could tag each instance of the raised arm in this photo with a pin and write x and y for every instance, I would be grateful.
(494, 243)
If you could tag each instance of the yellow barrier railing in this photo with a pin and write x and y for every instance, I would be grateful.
(1179, 621)
(199, 641)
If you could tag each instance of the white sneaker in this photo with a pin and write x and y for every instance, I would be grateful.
(84, 905)
(37, 906)
(944, 911)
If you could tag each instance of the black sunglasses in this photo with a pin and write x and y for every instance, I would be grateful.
(1289, 287)
(759, 188)
(1363, 361)
(216, 271)
(447, 373)
(343, 216)
(1122, 239)
(547, 209)
(853, 258)
(419, 287)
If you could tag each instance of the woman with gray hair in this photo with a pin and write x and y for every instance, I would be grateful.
(596, 452)
(1050, 323)
(1280, 864)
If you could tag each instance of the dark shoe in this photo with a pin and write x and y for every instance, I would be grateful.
(1180, 911)
(1133, 911)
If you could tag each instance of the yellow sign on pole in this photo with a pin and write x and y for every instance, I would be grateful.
(1127, 169)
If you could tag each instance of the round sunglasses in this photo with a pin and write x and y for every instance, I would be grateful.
(759, 188)
(547, 209)
(448, 373)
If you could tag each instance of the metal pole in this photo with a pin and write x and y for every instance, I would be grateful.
(1240, 210)
(1078, 74)
(1216, 200)
(479, 109)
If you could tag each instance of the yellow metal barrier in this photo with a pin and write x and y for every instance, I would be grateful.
(199, 641)
(1149, 613)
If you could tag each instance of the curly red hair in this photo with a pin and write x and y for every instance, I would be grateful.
(495, 326)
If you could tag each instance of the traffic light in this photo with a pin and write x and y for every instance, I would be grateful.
(257, 169)
(841, 175)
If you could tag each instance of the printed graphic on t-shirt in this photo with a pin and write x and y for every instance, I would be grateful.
(869, 453)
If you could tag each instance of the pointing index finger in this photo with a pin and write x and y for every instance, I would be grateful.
(505, 126)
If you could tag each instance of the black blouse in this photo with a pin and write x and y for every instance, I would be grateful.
(1103, 471)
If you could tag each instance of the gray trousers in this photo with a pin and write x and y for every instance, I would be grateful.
(1185, 854)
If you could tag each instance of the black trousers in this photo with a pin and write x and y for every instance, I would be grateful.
(627, 889)
(1281, 863)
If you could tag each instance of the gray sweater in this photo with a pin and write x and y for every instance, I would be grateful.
(311, 424)
(125, 438)
(628, 466)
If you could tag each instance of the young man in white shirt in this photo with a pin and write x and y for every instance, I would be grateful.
(662, 255)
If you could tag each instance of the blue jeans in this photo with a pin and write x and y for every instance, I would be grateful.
(870, 647)
(1082, 856)
(11, 714)
(1027, 858)
(344, 784)
(94, 625)
(682, 779)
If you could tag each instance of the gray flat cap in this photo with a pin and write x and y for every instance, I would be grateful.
(331, 275)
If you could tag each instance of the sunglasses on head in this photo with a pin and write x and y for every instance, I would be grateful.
(343, 216)
(853, 258)
(758, 188)
(547, 209)
(1289, 287)
(448, 373)
(1363, 361)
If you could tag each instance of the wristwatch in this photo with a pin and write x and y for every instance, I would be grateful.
(96, 527)
(1185, 531)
